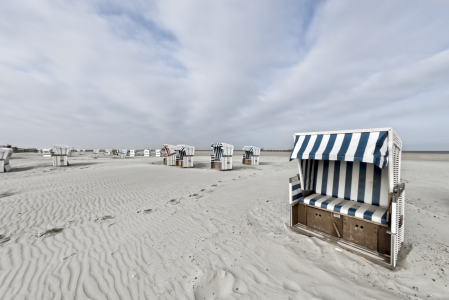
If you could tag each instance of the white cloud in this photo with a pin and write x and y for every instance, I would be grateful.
(138, 73)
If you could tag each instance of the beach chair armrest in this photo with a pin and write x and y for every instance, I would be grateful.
(397, 191)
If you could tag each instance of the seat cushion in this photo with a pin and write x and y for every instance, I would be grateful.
(360, 210)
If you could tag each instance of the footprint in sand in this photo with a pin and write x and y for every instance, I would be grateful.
(4, 238)
(50, 232)
(99, 220)
(146, 211)
(214, 185)
(173, 201)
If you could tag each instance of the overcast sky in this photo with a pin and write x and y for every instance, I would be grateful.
(136, 74)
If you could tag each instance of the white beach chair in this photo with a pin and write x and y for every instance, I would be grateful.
(59, 155)
(251, 156)
(123, 153)
(5, 155)
(132, 153)
(157, 152)
(222, 158)
(46, 152)
(147, 152)
(347, 191)
(184, 157)
(107, 152)
(95, 153)
(170, 155)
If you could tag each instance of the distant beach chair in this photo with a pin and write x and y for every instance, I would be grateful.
(157, 152)
(123, 153)
(147, 152)
(170, 155)
(184, 157)
(46, 152)
(348, 191)
(222, 158)
(132, 153)
(59, 155)
(107, 152)
(5, 155)
(95, 153)
(251, 156)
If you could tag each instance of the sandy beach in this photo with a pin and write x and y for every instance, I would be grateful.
(112, 228)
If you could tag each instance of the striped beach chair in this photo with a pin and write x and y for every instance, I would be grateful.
(184, 157)
(5, 155)
(251, 156)
(170, 155)
(59, 155)
(147, 152)
(222, 158)
(347, 191)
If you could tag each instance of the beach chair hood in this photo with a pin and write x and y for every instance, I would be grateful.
(369, 146)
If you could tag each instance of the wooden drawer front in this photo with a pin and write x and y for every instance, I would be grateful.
(360, 232)
(320, 220)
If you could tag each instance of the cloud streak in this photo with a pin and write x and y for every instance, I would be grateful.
(137, 74)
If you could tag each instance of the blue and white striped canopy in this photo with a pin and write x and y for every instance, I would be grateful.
(248, 148)
(369, 147)
(180, 148)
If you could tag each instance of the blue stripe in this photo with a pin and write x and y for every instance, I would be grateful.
(377, 185)
(296, 197)
(294, 145)
(352, 210)
(317, 144)
(380, 141)
(362, 183)
(348, 182)
(385, 159)
(368, 215)
(315, 175)
(314, 199)
(303, 147)
(344, 146)
(330, 145)
(338, 206)
(325, 174)
(361, 147)
(336, 179)
(383, 220)
(296, 186)
(312, 164)
(326, 202)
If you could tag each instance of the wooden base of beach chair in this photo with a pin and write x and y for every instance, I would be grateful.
(179, 163)
(215, 165)
(344, 228)
(371, 255)
(246, 162)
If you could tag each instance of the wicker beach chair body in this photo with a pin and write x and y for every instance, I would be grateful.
(347, 191)
(251, 156)
(184, 156)
(59, 155)
(222, 158)
(169, 155)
